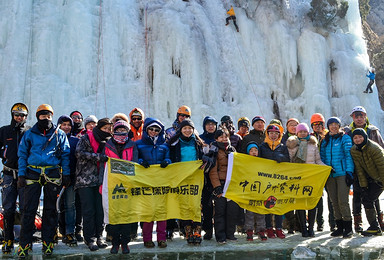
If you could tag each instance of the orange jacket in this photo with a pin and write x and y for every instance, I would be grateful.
(137, 133)
(231, 12)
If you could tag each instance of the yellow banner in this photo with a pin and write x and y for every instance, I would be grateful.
(132, 193)
(267, 187)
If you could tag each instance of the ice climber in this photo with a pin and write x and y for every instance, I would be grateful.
(232, 17)
(371, 75)
(43, 162)
(10, 137)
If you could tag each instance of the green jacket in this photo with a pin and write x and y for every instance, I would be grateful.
(369, 162)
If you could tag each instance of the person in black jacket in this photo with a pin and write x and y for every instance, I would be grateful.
(10, 136)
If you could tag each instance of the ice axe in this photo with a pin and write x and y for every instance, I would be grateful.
(58, 199)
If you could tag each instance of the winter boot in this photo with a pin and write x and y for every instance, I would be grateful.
(303, 224)
(271, 233)
(56, 237)
(197, 235)
(23, 252)
(380, 220)
(365, 91)
(290, 216)
(7, 247)
(162, 244)
(115, 245)
(358, 223)
(280, 233)
(339, 231)
(250, 235)
(124, 248)
(208, 234)
(188, 234)
(101, 243)
(347, 226)
(374, 229)
(311, 222)
(262, 236)
(70, 240)
(47, 248)
(79, 237)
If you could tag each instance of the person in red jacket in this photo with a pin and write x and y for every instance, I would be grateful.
(120, 147)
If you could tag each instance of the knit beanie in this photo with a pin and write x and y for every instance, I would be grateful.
(273, 128)
(121, 124)
(187, 122)
(243, 122)
(226, 118)
(258, 118)
(64, 118)
(360, 131)
(333, 120)
(302, 127)
(89, 119)
(293, 119)
(102, 122)
(76, 113)
(250, 146)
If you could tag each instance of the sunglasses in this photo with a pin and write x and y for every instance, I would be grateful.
(155, 129)
(184, 115)
(318, 123)
(76, 117)
(19, 115)
(136, 118)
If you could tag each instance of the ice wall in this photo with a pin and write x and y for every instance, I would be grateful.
(104, 57)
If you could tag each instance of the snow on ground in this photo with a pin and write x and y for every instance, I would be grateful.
(325, 247)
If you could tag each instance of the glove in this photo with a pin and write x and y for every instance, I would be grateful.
(21, 182)
(145, 164)
(217, 191)
(103, 158)
(349, 179)
(364, 189)
(66, 181)
(164, 164)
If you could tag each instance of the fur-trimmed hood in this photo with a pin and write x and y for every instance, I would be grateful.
(293, 141)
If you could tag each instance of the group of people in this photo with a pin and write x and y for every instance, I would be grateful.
(71, 156)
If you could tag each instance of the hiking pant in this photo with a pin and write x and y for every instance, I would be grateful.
(9, 195)
(160, 230)
(233, 18)
(70, 210)
(371, 195)
(92, 210)
(250, 221)
(278, 221)
(319, 215)
(121, 233)
(339, 194)
(369, 86)
(225, 218)
(79, 216)
(32, 194)
(357, 199)
(207, 208)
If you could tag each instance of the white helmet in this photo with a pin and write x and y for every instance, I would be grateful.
(358, 109)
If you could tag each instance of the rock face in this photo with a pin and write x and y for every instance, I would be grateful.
(374, 32)
(376, 16)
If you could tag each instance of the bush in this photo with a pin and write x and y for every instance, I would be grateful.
(326, 13)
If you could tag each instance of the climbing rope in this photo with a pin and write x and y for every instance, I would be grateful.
(242, 58)
(28, 66)
(146, 91)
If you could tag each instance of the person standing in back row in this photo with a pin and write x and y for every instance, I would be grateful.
(232, 17)
(10, 137)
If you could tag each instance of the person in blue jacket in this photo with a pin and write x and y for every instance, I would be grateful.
(335, 151)
(43, 161)
(371, 75)
(153, 150)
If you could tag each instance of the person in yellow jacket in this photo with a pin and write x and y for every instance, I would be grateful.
(232, 17)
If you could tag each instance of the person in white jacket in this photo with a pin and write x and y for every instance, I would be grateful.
(303, 148)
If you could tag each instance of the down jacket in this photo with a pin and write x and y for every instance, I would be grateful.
(148, 150)
(335, 151)
(369, 162)
(313, 154)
